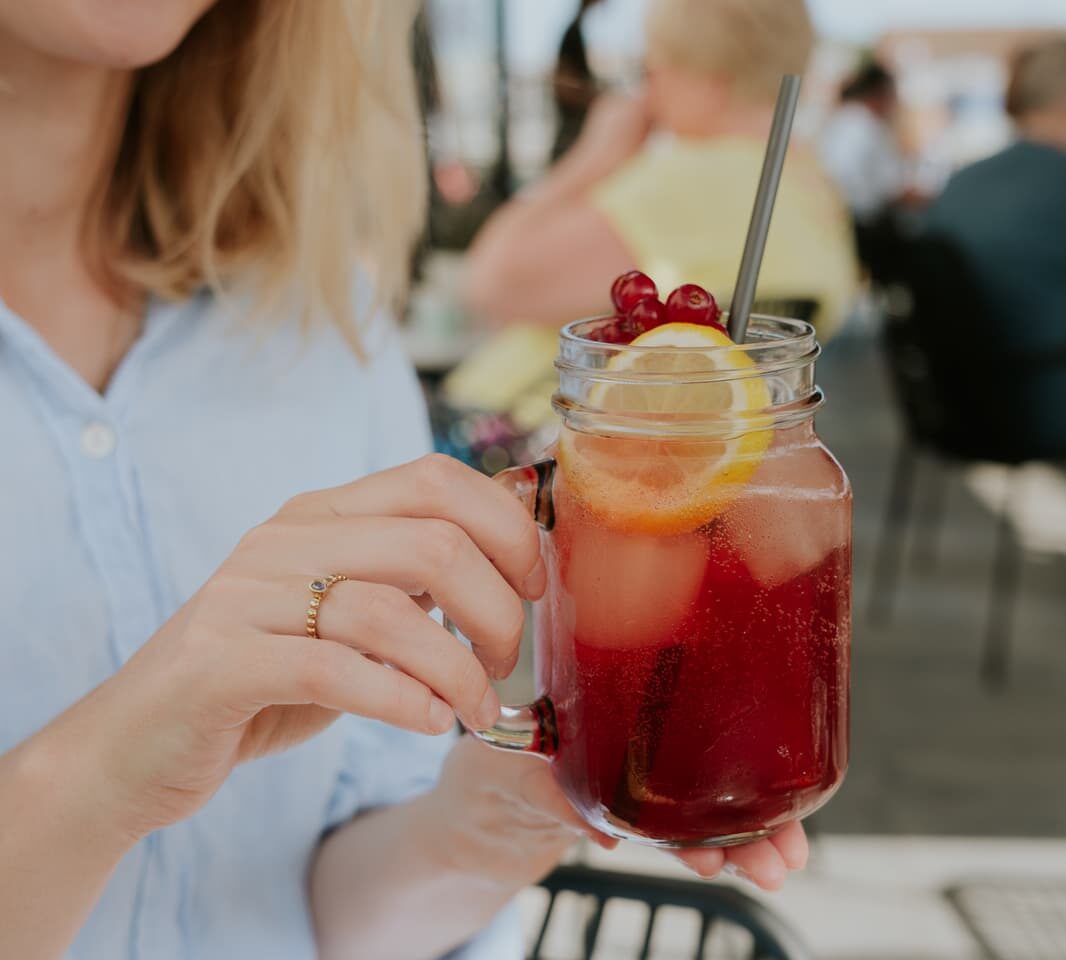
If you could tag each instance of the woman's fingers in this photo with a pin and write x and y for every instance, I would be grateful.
(765, 863)
(536, 794)
(434, 557)
(791, 843)
(296, 670)
(438, 487)
(384, 622)
(759, 862)
(707, 862)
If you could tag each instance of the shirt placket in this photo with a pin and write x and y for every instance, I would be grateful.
(103, 487)
(89, 431)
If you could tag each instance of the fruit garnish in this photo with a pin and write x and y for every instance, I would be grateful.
(630, 288)
(671, 485)
(614, 330)
(648, 314)
(690, 303)
(606, 331)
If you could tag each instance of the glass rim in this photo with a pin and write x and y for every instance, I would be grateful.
(778, 344)
(782, 352)
(794, 333)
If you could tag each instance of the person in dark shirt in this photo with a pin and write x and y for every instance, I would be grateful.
(573, 84)
(1006, 215)
(1006, 218)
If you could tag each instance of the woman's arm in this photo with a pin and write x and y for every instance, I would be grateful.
(381, 888)
(235, 675)
(413, 881)
(549, 255)
(416, 880)
(59, 842)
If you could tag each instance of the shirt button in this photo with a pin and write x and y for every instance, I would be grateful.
(97, 440)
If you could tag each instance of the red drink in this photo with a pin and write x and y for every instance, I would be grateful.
(697, 698)
(700, 684)
(693, 645)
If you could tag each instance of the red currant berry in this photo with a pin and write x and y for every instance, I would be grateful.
(630, 288)
(690, 303)
(615, 330)
(647, 315)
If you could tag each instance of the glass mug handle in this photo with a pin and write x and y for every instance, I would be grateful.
(529, 728)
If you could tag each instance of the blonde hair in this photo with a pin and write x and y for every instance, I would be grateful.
(1038, 78)
(277, 143)
(753, 43)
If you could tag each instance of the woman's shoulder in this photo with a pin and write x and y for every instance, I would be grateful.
(260, 333)
(214, 361)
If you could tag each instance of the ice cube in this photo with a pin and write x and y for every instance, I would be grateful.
(795, 511)
(629, 589)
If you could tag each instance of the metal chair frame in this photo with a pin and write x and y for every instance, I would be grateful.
(772, 938)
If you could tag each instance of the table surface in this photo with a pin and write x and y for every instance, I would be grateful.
(861, 898)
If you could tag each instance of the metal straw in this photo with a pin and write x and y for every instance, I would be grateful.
(755, 245)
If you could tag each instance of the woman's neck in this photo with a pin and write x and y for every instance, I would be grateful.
(62, 124)
(734, 119)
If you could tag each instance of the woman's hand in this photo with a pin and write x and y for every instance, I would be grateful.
(766, 863)
(233, 674)
(508, 820)
(505, 819)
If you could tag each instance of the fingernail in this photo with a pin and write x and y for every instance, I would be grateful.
(732, 870)
(537, 582)
(489, 710)
(441, 716)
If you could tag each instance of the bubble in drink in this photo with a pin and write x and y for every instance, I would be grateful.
(794, 512)
(693, 699)
(605, 575)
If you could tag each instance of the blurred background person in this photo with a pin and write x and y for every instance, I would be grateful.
(1007, 214)
(574, 86)
(859, 147)
(677, 205)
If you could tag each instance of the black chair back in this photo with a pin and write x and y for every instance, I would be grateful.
(772, 938)
(963, 390)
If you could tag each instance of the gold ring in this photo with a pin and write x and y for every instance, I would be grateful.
(319, 588)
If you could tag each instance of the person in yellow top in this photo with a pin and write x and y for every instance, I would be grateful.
(665, 182)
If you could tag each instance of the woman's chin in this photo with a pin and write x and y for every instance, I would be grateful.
(120, 34)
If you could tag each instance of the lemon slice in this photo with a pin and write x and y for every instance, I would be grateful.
(671, 485)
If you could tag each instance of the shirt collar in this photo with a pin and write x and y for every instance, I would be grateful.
(61, 386)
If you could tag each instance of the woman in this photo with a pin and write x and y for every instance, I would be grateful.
(184, 187)
(677, 205)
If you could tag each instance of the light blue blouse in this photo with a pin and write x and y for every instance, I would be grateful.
(114, 509)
